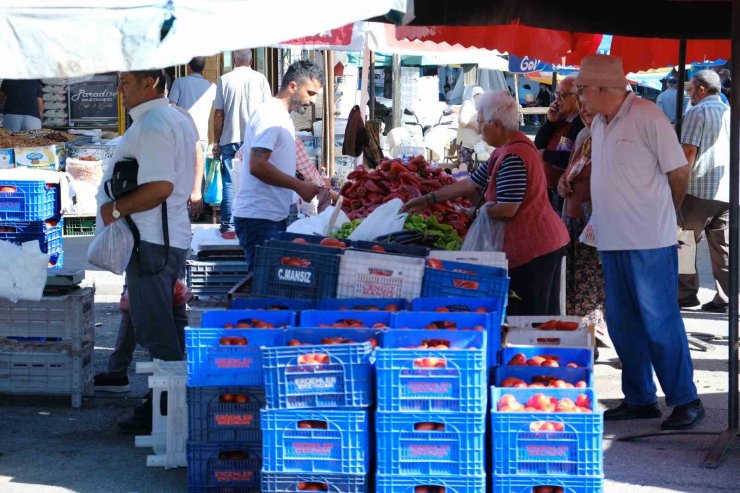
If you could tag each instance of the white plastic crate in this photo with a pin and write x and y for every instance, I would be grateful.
(214, 278)
(379, 275)
(169, 432)
(198, 307)
(489, 259)
(70, 317)
(523, 332)
(47, 372)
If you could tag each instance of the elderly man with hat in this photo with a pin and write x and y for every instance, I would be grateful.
(639, 177)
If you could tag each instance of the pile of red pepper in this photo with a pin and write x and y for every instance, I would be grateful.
(394, 179)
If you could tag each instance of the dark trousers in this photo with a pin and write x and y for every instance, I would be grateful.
(150, 295)
(537, 283)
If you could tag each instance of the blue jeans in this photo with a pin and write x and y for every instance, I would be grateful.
(228, 152)
(645, 324)
(252, 232)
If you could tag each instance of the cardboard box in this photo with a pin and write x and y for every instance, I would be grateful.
(51, 157)
(7, 158)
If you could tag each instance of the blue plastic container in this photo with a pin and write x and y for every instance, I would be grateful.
(530, 374)
(212, 363)
(455, 444)
(449, 484)
(288, 304)
(214, 466)
(48, 237)
(524, 484)
(316, 441)
(275, 276)
(216, 319)
(319, 318)
(294, 381)
(28, 200)
(520, 449)
(315, 337)
(362, 304)
(455, 304)
(457, 384)
(273, 482)
(584, 358)
(311, 239)
(225, 414)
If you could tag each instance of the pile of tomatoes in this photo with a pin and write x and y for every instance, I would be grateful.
(542, 403)
(520, 359)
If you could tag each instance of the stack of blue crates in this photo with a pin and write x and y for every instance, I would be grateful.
(30, 211)
(316, 424)
(225, 395)
(558, 448)
(430, 420)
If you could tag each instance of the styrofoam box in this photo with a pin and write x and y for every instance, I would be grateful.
(490, 259)
(523, 332)
(379, 275)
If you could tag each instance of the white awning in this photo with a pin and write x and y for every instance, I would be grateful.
(69, 38)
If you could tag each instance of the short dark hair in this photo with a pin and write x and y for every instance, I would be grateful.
(197, 64)
(160, 74)
(302, 69)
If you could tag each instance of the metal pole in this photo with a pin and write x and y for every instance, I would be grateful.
(726, 438)
(397, 91)
(330, 113)
(371, 88)
(681, 84)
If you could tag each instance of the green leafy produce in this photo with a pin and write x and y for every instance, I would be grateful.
(346, 229)
(443, 236)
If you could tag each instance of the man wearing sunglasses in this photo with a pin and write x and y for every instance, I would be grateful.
(555, 139)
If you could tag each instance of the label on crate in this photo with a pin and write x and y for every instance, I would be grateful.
(315, 383)
(234, 419)
(376, 286)
(233, 362)
(428, 452)
(10, 205)
(313, 448)
(233, 476)
(549, 451)
(300, 277)
(430, 388)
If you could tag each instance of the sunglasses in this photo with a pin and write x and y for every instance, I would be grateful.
(563, 95)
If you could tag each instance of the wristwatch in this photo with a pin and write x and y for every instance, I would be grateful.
(116, 213)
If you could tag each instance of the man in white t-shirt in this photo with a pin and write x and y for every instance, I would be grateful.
(162, 140)
(639, 177)
(238, 95)
(268, 180)
(468, 133)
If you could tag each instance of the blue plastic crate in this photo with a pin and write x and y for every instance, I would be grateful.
(211, 363)
(517, 449)
(458, 321)
(29, 200)
(392, 248)
(455, 304)
(458, 385)
(344, 381)
(216, 319)
(319, 318)
(318, 279)
(273, 482)
(455, 445)
(524, 484)
(316, 441)
(289, 304)
(584, 358)
(223, 465)
(315, 336)
(56, 260)
(386, 483)
(47, 233)
(532, 374)
(362, 304)
(225, 414)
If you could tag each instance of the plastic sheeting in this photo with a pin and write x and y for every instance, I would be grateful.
(70, 38)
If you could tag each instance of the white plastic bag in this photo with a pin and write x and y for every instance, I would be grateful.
(316, 225)
(111, 249)
(382, 221)
(22, 271)
(485, 234)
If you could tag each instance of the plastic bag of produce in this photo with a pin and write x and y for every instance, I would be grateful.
(316, 225)
(485, 234)
(384, 220)
(214, 187)
(111, 249)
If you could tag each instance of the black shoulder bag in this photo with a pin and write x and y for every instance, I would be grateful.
(123, 181)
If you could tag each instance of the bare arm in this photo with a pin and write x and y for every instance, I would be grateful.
(218, 129)
(146, 197)
(678, 180)
(196, 196)
(461, 188)
(690, 151)
(260, 168)
(41, 107)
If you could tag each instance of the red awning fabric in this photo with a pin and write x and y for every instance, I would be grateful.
(566, 47)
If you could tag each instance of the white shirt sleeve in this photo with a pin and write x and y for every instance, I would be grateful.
(156, 156)
(266, 134)
(219, 101)
(174, 94)
(266, 92)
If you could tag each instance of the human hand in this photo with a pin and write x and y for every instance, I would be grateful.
(106, 213)
(416, 205)
(239, 154)
(564, 187)
(553, 112)
(307, 191)
(216, 151)
(195, 203)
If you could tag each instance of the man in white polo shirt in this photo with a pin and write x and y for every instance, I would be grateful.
(268, 180)
(162, 140)
(639, 178)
